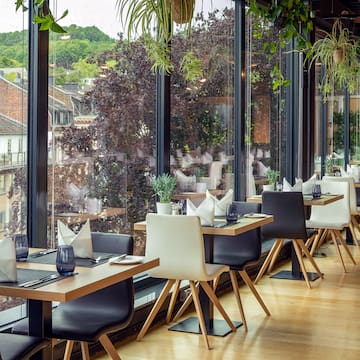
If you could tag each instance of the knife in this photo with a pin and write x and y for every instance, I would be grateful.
(31, 283)
(43, 252)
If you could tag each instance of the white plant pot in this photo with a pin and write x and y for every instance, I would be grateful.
(163, 208)
(268, 187)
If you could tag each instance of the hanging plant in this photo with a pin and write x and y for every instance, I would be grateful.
(293, 18)
(44, 16)
(153, 21)
(338, 54)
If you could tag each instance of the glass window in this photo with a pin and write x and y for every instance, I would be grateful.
(265, 113)
(102, 124)
(13, 123)
(202, 112)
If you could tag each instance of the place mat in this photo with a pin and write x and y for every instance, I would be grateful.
(24, 275)
(84, 262)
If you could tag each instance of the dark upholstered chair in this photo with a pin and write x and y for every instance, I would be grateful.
(92, 317)
(289, 223)
(20, 347)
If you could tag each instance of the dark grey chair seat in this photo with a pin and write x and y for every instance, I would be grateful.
(20, 347)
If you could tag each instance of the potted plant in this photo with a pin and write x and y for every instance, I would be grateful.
(271, 176)
(140, 17)
(164, 186)
(294, 21)
(338, 53)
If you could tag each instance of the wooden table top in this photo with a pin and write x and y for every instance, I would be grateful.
(244, 224)
(196, 195)
(88, 280)
(74, 218)
(308, 200)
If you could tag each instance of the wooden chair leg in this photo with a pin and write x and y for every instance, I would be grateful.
(68, 349)
(310, 258)
(184, 306)
(109, 347)
(317, 240)
(210, 293)
(267, 260)
(238, 298)
(343, 242)
(173, 300)
(275, 256)
(356, 226)
(199, 313)
(85, 350)
(244, 275)
(301, 262)
(165, 291)
(333, 236)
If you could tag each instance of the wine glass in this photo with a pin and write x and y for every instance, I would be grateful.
(21, 247)
(231, 213)
(65, 260)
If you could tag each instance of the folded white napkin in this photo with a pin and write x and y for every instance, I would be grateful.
(205, 211)
(308, 185)
(186, 183)
(7, 260)
(81, 241)
(220, 205)
(297, 186)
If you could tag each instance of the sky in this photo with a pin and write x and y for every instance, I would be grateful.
(82, 13)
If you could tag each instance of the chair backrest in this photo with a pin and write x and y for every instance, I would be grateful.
(242, 249)
(112, 243)
(117, 298)
(289, 215)
(178, 242)
(352, 190)
(337, 212)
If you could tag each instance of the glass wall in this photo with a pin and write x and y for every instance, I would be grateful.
(101, 124)
(202, 111)
(13, 130)
(265, 112)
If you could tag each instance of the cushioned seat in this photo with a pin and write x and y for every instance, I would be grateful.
(20, 347)
(289, 223)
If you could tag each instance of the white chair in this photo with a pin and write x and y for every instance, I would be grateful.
(354, 224)
(178, 242)
(332, 218)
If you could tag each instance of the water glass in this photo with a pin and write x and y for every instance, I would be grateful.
(65, 260)
(231, 213)
(316, 191)
(21, 247)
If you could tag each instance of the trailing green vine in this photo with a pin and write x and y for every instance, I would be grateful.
(293, 18)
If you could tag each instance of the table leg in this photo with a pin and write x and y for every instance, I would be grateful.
(40, 324)
(295, 273)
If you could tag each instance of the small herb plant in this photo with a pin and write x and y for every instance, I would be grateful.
(272, 176)
(164, 186)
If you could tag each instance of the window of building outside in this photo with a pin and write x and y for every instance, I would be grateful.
(265, 113)
(202, 112)
(13, 129)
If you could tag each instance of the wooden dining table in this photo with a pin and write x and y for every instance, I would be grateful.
(86, 281)
(214, 326)
(295, 273)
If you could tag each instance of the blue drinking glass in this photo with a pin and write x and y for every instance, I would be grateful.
(21, 247)
(231, 213)
(65, 260)
(316, 191)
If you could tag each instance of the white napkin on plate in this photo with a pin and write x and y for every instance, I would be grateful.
(220, 205)
(297, 186)
(308, 185)
(81, 241)
(7, 260)
(205, 211)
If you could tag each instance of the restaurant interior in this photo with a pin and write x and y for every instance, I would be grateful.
(119, 118)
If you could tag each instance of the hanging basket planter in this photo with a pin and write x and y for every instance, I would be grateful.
(182, 10)
(338, 56)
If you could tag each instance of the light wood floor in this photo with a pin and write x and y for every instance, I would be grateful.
(318, 323)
